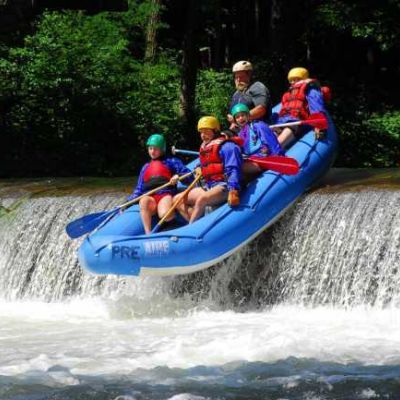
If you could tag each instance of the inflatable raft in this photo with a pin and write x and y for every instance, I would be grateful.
(120, 247)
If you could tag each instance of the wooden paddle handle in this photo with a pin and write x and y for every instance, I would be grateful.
(179, 201)
(150, 192)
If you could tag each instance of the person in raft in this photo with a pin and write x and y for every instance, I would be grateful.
(257, 138)
(303, 98)
(158, 171)
(250, 92)
(220, 163)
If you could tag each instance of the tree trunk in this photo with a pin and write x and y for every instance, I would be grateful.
(151, 31)
(275, 33)
(189, 66)
(257, 18)
(218, 43)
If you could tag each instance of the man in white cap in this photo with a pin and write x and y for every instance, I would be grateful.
(254, 94)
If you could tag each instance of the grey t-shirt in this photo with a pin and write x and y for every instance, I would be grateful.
(255, 95)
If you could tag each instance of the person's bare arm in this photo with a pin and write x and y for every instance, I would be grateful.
(258, 112)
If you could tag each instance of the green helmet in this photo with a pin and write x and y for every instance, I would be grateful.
(157, 140)
(240, 107)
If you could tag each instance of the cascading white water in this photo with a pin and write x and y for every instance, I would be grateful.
(309, 310)
(331, 248)
(338, 249)
(37, 259)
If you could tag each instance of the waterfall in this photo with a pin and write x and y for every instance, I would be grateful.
(38, 260)
(339, 249)
(331, 248)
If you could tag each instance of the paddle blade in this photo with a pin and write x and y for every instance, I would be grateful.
(87, 223)
(282, 164)
(317, 120)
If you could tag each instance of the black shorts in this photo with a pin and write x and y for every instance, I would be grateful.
(300, 130)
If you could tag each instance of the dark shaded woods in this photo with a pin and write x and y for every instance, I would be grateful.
(81, 90)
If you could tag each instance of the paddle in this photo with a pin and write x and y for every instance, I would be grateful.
(89, 222)
(174, 151)
(282, 164)
(176, 203)
(317, 120)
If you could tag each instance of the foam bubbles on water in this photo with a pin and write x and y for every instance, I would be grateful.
(187, 396)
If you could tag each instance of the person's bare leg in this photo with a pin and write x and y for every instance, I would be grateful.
(182, 207)
(250, 170)
(212, 197)
(286, 137)
(148, 208)
(185, 208)
(163, 207)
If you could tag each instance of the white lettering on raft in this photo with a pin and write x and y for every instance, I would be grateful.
(156, 248)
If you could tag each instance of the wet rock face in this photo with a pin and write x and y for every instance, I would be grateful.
(337, 180)
(344, 179)
(18, 188)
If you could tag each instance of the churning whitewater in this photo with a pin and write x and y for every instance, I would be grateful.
(309, 310)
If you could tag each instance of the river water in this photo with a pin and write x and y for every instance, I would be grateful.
(309, 310)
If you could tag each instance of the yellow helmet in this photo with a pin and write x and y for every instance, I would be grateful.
(242, 66)
(299, 73)
(208, 122)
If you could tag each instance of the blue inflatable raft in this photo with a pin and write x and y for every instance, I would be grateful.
(120, 247)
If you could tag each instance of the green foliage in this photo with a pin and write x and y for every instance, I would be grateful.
(364, 19)
(152, 105)
(214, 90)
(388, 124)
(69, 54)
(370, 142)
(133, 23)
(76, 96)
(75, 89)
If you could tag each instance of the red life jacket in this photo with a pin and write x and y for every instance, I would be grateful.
(212, 166)
(294, 101)
(156, 174)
